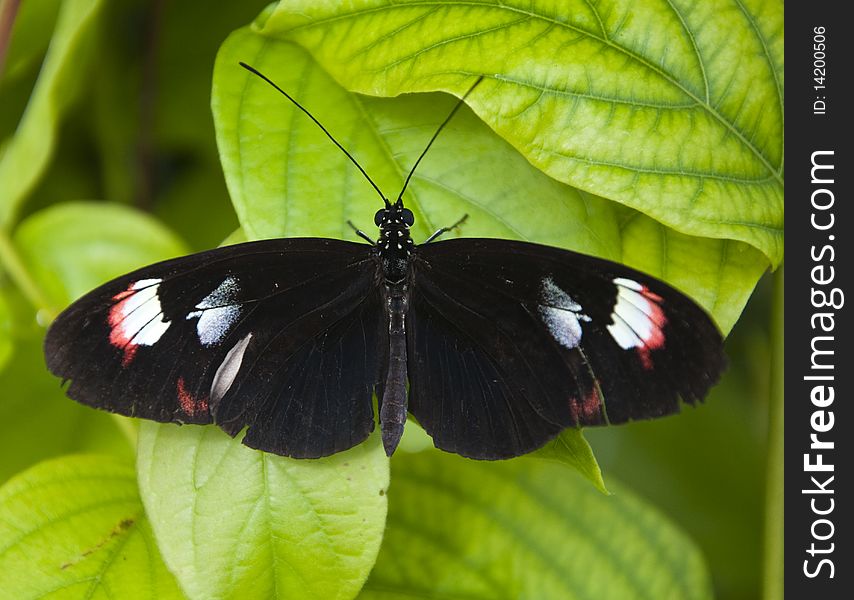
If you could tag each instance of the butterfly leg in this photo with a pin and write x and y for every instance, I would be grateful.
(361, 233)
(439, 232)
(393, 411)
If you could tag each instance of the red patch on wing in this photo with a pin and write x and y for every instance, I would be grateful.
(190, 404)
(119, 336)
(655, 339)
(592, 405)
(589, 410)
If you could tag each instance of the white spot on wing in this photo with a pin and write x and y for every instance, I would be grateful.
(635, 310)
(151, 333)
(561, 314)
(563, 325)
(637, 318)
(623, 334)
(145, 298)
(214, 323)
(144, 283)
(137, 319)
(628, 283)
(227, 371)
(216, 312)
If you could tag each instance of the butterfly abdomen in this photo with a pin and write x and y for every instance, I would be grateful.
(393, 403)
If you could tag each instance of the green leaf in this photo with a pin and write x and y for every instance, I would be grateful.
(233, 522)
(70, 248)
(570, 448)
(75, 528)
(674, 109)
(26, 155)
(5, 330)
(524, 529)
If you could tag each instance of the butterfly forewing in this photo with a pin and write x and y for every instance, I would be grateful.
(511, 342)
(262, 334)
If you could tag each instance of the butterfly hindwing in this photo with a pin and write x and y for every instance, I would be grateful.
(461, 389)
(254, 335)
(536, 339)
(311, 396)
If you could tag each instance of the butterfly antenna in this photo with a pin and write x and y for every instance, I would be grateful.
(310, 116)
(435, 135)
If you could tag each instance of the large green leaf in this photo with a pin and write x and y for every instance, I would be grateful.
(25, 156)
(673, 108)
(233, 522)
(75, 528)
(286, 178)
(524, 529)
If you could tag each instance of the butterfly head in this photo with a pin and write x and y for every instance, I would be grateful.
(394, 222)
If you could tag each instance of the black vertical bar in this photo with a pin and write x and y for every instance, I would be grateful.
(819, 365)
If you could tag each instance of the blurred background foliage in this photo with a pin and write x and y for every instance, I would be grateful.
(133, 128)
(136, 131)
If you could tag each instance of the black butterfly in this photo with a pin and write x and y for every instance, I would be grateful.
(502, 343)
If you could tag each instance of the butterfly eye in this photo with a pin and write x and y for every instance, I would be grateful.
(378, 218)
(408, 217)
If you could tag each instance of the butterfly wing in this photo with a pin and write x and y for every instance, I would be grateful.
(510, 342)
(279, 336)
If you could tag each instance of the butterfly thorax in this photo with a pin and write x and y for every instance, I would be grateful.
(395, 245)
